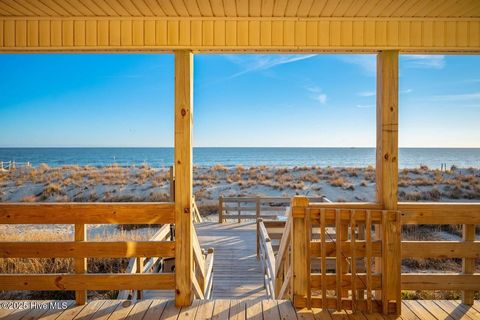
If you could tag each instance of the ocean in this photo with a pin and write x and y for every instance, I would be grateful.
(288, 157)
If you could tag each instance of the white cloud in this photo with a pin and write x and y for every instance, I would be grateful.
(470, 97)
(253, 63)
(406, 91)
(367, 94)
(367, 62)
(317, 94)
(423, 61)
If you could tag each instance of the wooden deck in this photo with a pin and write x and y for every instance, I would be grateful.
(237, 274)
(228, 309)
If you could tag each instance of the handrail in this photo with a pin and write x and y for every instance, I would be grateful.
(268, 259)
(253, 208)
(283, 271)
(197, 218)
(203, 269)
(138, 265)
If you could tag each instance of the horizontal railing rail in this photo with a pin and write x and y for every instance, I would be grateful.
(80, 214)
(468, 248)
(253, 208)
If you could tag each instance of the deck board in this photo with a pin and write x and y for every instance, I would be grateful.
(238, 309)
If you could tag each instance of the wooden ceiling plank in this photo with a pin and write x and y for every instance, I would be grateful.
(355, 7)
(119, 9)
(167, 7)
(366, 8)
(439, 8)
(242, 8)
(62, 8)
(33, 9)
(205, 8)
(109, 10)
(404, 8)
(329, 8)
(419, 8)
(342, 8)
(465, 9)
(40, 6)
(17, 6)
(304, 8)
(230, 8)
(267, 8)
(80, 7)
(11, 10)
(473, 11)
(93, 6)
(143, 8)
(130, 7)
(392, 7)
(155, 8)
(292, 8)
(254, 8)
(217, 8)
(279, 8)
(378, 10)
(180, 8)
(192, 8)
(6, 14)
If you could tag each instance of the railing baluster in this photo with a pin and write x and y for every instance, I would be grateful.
(80, 263)
(324, 258)
(468, 264)
(353, 259)
(339, 262)
(368, 237)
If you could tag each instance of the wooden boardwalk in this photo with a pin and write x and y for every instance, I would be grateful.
(229, 309)
(237, 274)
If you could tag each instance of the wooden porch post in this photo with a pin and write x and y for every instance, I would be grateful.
(300, 273)
(183, 177)
(387, 174)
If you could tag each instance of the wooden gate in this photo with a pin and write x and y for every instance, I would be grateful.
(345, 258)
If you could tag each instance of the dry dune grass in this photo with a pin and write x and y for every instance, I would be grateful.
(62, 265)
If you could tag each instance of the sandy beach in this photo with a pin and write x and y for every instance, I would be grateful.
(143, 183)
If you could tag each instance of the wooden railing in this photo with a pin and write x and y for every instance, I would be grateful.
(467, 249)
(267, 259)
(146, 265)
(254, 208)
(313, 260)
(203, 270)
(81, 214)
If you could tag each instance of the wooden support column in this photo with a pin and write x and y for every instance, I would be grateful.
(300, 273)
(80, 263)
(387, 175)
(183, 177)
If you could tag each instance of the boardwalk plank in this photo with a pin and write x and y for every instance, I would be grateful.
(419, 310)
(156, 309)
(434, 309)
(408, 314)
(139, 310)
(468, 310)
(221, 310)
(171, 311)
(122, 310)
(270, 309)
(89, 310)
(449, 308)
(254, 309)
(205, 310)
(287, 312)
(189, 312)
(237, 310)
(106, 309)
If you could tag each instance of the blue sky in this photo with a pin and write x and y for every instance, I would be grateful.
(239, 100)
